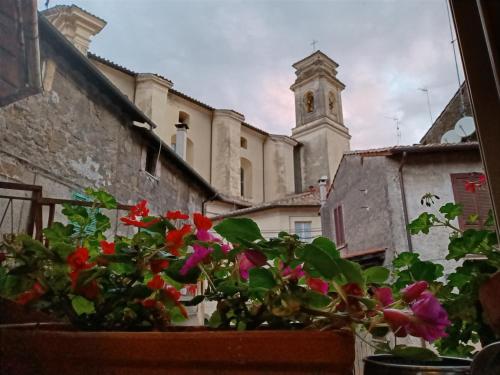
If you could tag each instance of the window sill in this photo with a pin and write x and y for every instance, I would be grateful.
(150, 177)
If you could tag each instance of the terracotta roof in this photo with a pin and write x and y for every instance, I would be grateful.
(48, 12)
(308, 199)
(418, 148)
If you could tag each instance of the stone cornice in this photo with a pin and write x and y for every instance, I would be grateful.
(155, 79)
(323, 123)
(229, 113)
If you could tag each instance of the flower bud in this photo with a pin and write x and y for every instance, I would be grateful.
(413, 291)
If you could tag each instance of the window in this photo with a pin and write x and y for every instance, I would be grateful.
(151, 158)
(303, 230)
(338, 217)
(243, 142)
(246, 178)
(474, 203)
(242, 182)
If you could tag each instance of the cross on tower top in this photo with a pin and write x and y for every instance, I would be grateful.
(313, 44)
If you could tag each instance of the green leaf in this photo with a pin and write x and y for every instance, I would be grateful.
(195, 301)
(228, 287)
(234, 229)
(316, 300)
(405, 259)
(413, 352)
(351, 271)
(81, 305)
(215, 320)
(451, 210)
(191, 277)
(261, 278)
(122, 268)
(59, 233)
(377, 275)
(327, 245)
(103, 197)
(422, 224)
(427, 271)
(321, 261)
(62, 249)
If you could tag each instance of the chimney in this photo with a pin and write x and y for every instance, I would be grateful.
(76, 24)
(181, 140)
(323, 189)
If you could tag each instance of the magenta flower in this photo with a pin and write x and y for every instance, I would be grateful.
(248, 260)
(413, 291)
(317, 285)
(294, 274)
(430, 318)
(226, 248)
(384, 296)
(199, 255)
(398, 321)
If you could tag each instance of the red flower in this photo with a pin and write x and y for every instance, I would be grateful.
(413, 291)
(175, 238)
(176, 215)
(149, 303)
(353, 289)
(318, 285)
(172, 293)
(35, 292)
(156, 282)
(201, 222)
(140, 209)
(397, 320)
(140, 224)
(470, 186)
(2, 257)
(158, 265)
(108, 248)
(77, 260)
(90, 290)
(191, 289)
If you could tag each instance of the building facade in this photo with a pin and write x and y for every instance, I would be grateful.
(248, 166)
(376, 193)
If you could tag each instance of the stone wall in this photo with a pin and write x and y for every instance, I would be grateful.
(73, 137)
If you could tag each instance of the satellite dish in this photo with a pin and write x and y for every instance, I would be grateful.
(465, 126)
(451, 136)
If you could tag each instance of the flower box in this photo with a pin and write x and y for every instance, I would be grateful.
(187, 350)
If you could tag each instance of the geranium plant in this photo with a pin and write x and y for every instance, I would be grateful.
(476, 250)
(134, 282)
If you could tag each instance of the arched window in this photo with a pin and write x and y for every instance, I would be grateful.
(243, 142)
(309, 102)
(183, 118)
(246, 178)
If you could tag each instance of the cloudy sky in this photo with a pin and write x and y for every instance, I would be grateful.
(238, 54)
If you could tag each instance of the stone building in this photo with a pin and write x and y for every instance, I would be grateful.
(458, 107)
(377, 192)
(250, 168)
(81, 131)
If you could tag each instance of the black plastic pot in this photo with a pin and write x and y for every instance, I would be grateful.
(386, 364)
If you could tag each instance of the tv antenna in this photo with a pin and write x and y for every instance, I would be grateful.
(398, 130)
(426, 90)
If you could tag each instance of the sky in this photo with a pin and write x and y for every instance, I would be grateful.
(238, 54)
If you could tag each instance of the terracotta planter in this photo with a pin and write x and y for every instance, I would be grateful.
(489, 295)
(50, 351)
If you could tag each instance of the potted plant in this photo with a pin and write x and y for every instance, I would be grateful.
(281, 305)
(470, 293)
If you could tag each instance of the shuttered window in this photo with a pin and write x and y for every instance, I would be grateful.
(338, 218)
(474, 203)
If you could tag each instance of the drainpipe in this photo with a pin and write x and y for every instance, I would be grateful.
(403, 199)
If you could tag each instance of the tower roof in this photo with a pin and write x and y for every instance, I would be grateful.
(315, 57)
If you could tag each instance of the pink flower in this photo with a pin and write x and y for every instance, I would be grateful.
(384, 296)
(226, 248)
(413, 291)
(248, 260)
(430, 318)
(199, 255)
(318, 285)
(295, 273)
(398, 321)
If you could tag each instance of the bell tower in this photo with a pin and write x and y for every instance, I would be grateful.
(319, 123)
